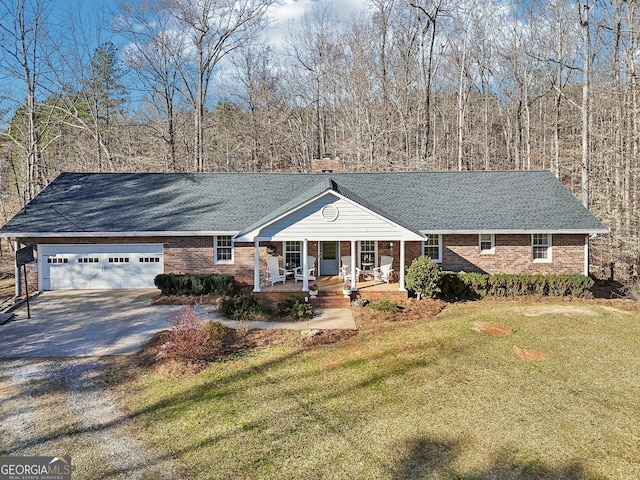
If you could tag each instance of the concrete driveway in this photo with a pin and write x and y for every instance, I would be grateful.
(84, 323)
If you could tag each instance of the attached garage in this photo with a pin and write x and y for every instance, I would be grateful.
(98, 266)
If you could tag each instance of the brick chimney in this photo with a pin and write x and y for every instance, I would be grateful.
(327, 165)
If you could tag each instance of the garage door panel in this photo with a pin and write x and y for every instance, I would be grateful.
(143, 271)
(99, 266)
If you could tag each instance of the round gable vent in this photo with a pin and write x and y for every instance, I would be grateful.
(330, 213)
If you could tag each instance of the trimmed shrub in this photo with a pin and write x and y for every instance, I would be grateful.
(477, 285)
(498, 285)
(295, 308)
(244, 307)
(424, 277)
(162, 281)
(454, 285)
(215, 284)
(218, 284)
(215, 330)
(385, 305)
(541, 284)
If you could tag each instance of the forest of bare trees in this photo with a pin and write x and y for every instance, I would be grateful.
(195, 86)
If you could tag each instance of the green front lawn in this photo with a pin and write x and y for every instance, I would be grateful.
(431, 399)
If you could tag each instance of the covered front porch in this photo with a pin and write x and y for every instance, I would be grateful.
(295, 265)
(330, 290)
(330, 235)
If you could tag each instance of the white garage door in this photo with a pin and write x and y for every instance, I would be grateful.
(98, 266)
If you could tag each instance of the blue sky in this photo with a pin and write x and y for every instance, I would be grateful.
(288, 10)
(91, 23)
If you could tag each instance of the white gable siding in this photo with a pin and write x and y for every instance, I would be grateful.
(353, 222)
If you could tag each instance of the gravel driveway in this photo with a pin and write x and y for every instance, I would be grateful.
(69, 407)
(63, 398)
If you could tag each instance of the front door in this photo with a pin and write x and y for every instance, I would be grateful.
(329, 258)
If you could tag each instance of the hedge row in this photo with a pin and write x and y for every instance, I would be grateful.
(216, 284)
(478, 285)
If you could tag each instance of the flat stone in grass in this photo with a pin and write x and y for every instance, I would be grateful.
(496, 330)
(526, 354)
(568, 310)
(492, 329)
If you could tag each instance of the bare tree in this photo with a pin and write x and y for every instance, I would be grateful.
(311, 47)
(87, 92)
(256, 88)
(426, 14)
(584, 7)
(22, 43)
(148, 28)
(214, 28)
(561, 64)
(467, 32)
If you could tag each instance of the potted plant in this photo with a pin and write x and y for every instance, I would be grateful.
(313, 290)
(346, 290)
(358, 302)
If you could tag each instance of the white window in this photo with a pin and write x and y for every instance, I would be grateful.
(367, 254)
(541, 247)
(432, 247)
(58, 260)
(487, 243)
(292, 254)
(88, 260)
(223, 249)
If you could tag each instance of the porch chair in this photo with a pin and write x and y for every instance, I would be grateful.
(345, 267)
(298, 274)
(275, 273)
(385, 271)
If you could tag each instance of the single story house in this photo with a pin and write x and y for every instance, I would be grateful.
(119, 230)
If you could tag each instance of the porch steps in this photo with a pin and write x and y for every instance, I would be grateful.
(324, 299)
(331, 300)
(330, 292)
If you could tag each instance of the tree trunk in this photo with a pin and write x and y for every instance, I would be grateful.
(586, 102)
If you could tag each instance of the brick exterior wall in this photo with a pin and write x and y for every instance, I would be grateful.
(513, 254)
(459, 252)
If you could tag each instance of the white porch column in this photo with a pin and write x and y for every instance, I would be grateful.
(401, 287)
(354, 280)
(586, 255)
(256, 266)
(305, 267)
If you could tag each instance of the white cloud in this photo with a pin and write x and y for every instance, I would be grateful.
(291, 11)
(295, 9)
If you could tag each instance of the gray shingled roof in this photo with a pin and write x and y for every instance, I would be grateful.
(438, 202)
(326, 184)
